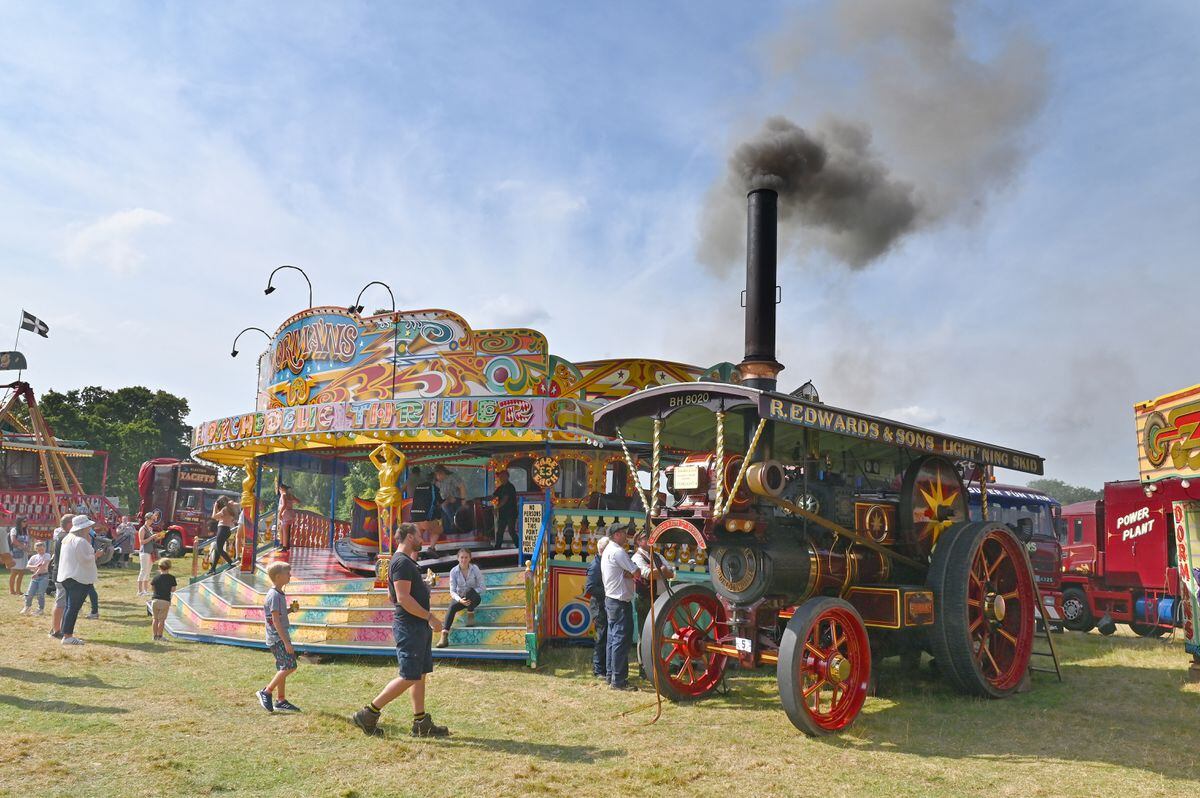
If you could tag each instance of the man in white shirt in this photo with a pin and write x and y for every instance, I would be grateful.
(76, 573)
(661, 573)
(617, 571)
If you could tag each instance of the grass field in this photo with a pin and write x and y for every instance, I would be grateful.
(123, 716)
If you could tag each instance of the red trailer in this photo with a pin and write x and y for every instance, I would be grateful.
(184, 493)
(1119, 561)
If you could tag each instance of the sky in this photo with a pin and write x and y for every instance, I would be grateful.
(551, 166)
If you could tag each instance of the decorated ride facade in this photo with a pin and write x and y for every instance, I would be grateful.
(1168, 430)
(833, 538)
(37, 480)
(354, 412)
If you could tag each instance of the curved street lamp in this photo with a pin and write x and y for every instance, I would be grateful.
(271, 288)
(233, 350)
(357, 306)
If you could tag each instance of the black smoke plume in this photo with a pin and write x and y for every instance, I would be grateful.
(937, 130)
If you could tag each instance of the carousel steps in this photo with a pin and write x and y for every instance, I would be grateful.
(343, 614)
(503, 588)
(341, 609)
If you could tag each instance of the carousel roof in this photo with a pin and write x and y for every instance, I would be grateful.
(331, 380)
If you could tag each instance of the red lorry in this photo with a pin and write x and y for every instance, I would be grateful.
(1118, 559)
(185, 493)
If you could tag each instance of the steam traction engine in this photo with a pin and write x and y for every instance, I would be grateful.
(833, 538)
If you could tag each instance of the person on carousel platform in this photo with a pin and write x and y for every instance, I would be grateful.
(453, 492)
(467, 587)
(505, 497)
(225, 514)
(287, 516)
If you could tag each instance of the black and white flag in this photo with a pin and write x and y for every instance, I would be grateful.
(34, 324)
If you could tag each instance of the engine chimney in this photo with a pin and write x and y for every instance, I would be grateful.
(759, 368)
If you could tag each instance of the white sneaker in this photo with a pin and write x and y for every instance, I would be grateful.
(39, 612)
(24, 611)
(72, 641)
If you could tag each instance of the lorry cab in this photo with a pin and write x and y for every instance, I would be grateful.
(1120, 565)
(1081, 549)
(1034, 517)
(185, 493)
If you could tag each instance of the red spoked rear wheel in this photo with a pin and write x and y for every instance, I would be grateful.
(675, 639)
(984, 600)
(824, 666)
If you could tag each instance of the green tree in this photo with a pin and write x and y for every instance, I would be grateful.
(1066, 494)
(230, 478)
(363, 482)
(132, 424)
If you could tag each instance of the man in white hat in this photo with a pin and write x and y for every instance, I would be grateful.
(77, 574)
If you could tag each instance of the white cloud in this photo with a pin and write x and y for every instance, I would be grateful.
(916, 415)
(545, 202)
(111, 241)
(505, 310)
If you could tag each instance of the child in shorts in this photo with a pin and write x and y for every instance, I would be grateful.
(162, 587)
(275, 618)
(39, 576)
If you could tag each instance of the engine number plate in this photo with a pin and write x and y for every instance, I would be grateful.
(744, 644)
(686, 477)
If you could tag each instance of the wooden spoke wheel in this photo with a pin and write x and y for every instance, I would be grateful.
(824, 666)
(932, 498)
(984, 601)
(675, 638)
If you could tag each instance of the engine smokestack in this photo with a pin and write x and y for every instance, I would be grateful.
(759, 368)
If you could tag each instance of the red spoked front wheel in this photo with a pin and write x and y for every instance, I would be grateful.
(675, 642)
(824, 666)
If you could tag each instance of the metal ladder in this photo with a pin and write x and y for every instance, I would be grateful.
(1052, 653)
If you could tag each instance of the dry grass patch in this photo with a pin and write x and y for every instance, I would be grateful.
(122, 716)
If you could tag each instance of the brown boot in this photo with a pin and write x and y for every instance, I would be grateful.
(445, 641)
(425, 727)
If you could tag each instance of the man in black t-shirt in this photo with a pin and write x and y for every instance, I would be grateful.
(413, 626)
(506, 509)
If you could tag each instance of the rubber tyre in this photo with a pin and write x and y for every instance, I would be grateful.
(1147, 630)
(1083, 621)
(953, 636)
(795, 664)
(173, 546)
(935, 579)
(666, 607)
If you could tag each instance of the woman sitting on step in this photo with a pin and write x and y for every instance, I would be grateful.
(466, 591)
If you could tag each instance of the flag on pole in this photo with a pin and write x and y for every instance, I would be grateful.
(34, 324)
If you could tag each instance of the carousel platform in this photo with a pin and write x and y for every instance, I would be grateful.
(342, 613)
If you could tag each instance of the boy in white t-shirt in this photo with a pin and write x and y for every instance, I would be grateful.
(39, 577)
